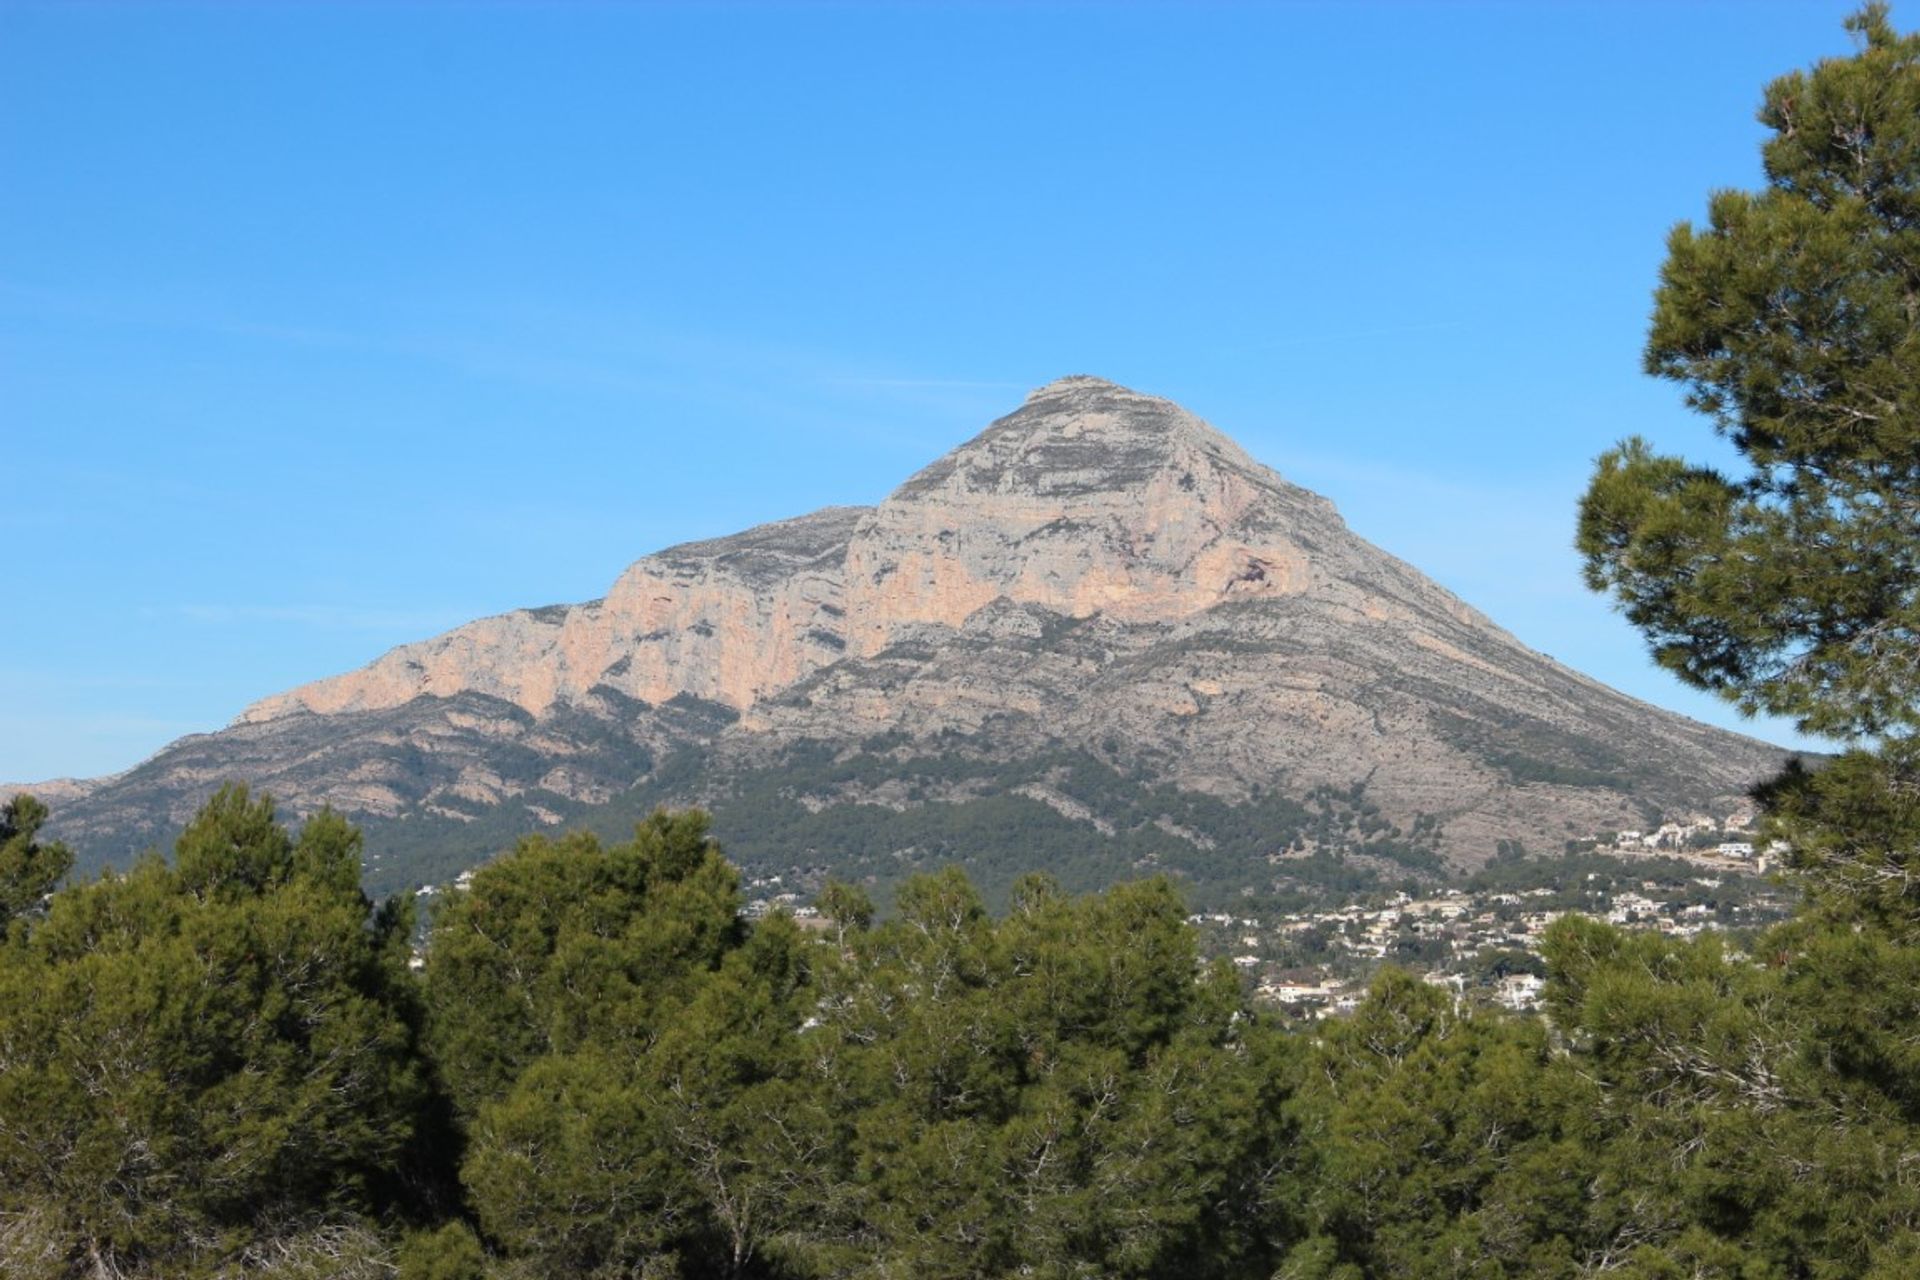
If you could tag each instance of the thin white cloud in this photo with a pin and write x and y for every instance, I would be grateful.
(326, 616)
(111, 724)
(36, 300)
(1346, 336)
(15, 679)
(925, 384)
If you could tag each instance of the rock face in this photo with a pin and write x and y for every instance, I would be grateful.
(1090, 500)
(729, 621)
(1098, 601)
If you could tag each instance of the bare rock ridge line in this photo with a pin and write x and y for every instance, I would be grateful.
(1099, 617)
(1089, 499)
(728, 620)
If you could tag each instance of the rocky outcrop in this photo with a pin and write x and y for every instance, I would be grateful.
(1091, 499)
(728, 621)
(1099, 576)
(54, 791)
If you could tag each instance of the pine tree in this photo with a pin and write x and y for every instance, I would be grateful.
(29, 870)
(1793, 587)
(204, 1060)
(1793, 320)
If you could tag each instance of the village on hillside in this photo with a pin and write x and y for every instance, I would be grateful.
(1483, 942)
(1480, 940)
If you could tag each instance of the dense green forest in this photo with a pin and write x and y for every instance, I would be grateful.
(224, 1064)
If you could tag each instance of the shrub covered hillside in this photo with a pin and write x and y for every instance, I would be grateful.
(224, 1065)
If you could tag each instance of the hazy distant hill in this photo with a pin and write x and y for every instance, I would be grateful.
(1097, 637)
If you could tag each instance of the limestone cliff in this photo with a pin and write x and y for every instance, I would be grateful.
(1091, 499)
(728, 621)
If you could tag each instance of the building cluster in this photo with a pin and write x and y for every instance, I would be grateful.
(770, 893)
(1696, 838)
(1483, 946)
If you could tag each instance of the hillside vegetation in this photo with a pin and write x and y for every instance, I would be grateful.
(224, 1065)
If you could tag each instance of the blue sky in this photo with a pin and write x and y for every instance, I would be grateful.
(326, 327)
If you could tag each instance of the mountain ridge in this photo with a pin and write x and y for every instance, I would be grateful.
(1098, 577)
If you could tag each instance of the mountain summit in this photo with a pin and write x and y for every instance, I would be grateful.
(1089, 499)
(1099, 630)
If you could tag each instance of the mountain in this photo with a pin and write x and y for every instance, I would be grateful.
(1098, 638)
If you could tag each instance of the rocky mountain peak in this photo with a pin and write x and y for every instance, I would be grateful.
(1089, 498)
(1083, 436)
